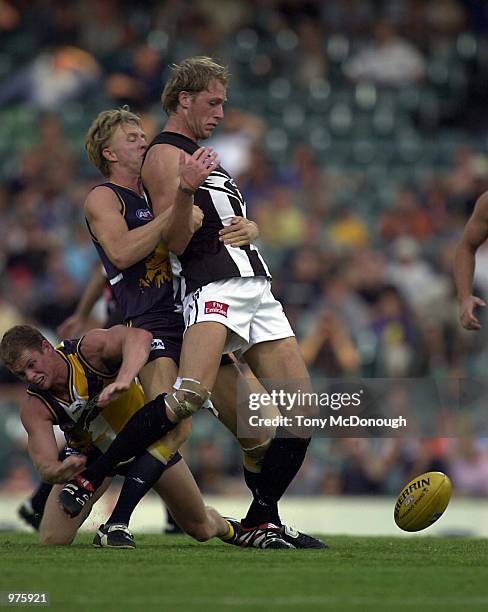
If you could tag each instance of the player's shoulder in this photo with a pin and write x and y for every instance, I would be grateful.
(92, 342)
(480, 211)
(100, 195)
(34, 409)
(482, 202)
(161, 154)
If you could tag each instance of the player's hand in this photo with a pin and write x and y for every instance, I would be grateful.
(111, 393)
(71, 327)
(466, 312)
(72, 465)
(194, 169)
(197, 218)
(240, 232)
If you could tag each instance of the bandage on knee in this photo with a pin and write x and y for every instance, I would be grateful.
(189, 397)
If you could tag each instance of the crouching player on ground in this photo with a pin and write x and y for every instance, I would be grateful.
(87, 387)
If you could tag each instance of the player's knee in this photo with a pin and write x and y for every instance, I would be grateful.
(199, 530)
(189, 397)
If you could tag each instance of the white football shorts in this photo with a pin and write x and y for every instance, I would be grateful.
(245, 306)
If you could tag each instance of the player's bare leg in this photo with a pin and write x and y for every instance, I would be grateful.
(158, 376)
(203, 344)
(279, 365)
(202, 348)
(180, 493)
(56, 527)
(229, 387)
(279, 360)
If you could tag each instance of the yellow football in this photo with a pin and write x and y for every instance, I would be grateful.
(422, 501)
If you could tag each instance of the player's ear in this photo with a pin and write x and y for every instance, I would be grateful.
(184, 99)
(109, 155)
(46, 346)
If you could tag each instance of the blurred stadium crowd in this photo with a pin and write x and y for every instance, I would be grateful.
(357, 131)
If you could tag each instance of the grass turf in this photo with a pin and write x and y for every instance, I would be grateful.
(174, 573)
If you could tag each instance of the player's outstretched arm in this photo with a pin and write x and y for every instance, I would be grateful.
(474, 234)
(42, 447)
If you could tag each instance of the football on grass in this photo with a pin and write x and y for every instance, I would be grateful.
(422, 501)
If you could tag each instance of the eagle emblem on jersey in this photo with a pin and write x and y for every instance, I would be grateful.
(157, 268)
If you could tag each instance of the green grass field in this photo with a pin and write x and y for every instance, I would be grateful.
(169, 573)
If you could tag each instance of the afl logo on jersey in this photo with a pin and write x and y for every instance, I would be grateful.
(144, 213)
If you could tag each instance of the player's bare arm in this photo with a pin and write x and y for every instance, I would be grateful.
(125, 347)
(123, 247)
(42, 447)
(475, 233)
(171, 177)
(241, 232)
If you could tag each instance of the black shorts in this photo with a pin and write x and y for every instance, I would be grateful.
(167, 330)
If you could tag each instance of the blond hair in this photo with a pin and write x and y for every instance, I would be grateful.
(101, 131)
(193, 75)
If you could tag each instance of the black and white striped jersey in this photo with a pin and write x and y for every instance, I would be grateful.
(206, 259)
